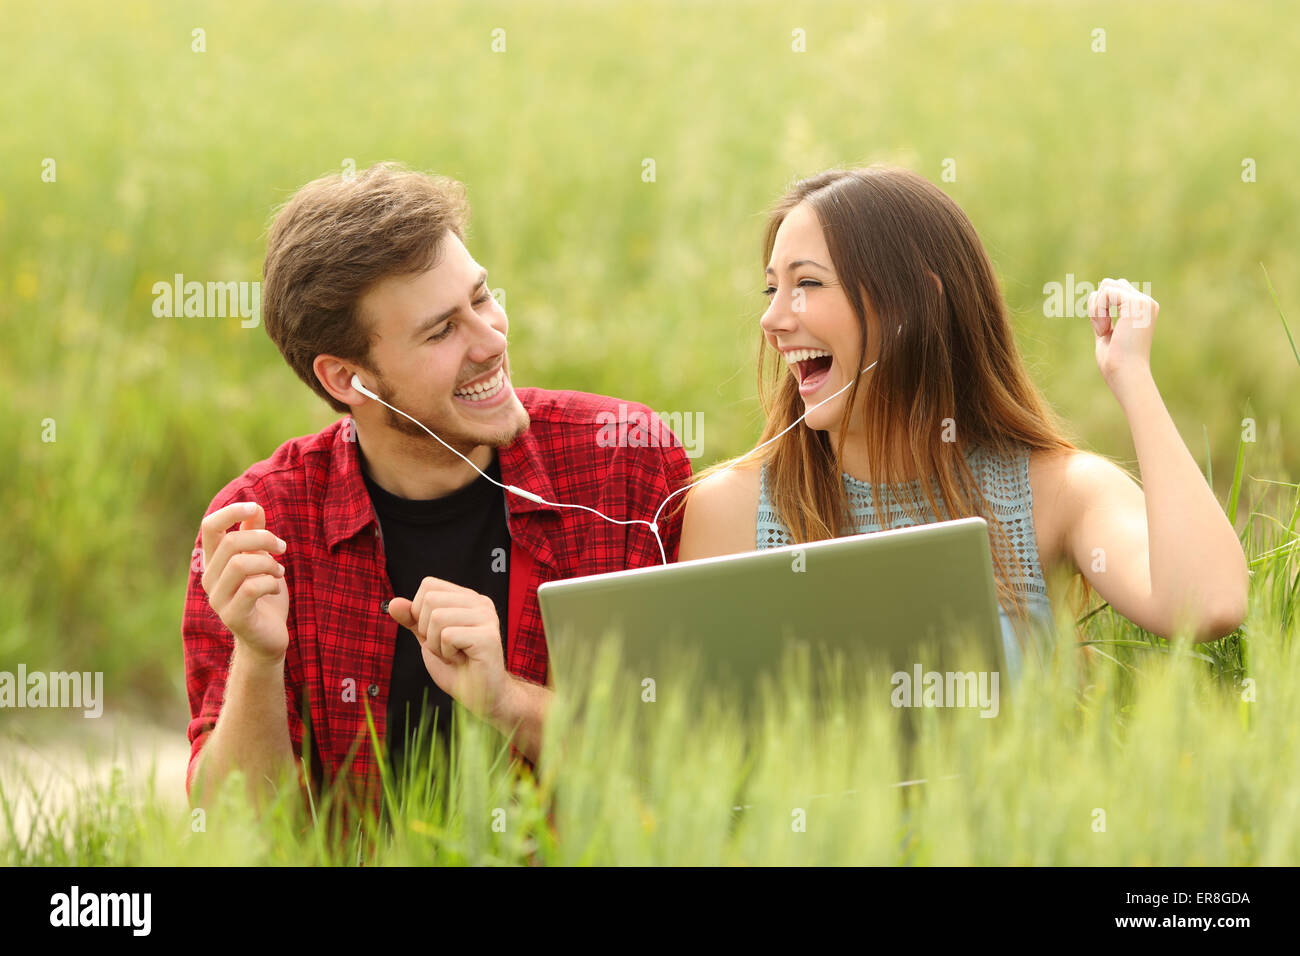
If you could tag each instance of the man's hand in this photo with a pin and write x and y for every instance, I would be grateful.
(460, 639)
(244, 583)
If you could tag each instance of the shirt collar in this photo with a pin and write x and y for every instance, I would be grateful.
(349, 511)
(523, 466)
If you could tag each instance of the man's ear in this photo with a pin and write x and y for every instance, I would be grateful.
(334, 376)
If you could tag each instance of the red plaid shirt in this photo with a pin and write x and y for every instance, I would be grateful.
(315, 499)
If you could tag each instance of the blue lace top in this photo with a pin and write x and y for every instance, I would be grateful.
(1005, 485)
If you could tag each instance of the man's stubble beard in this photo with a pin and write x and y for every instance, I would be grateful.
(463, 442)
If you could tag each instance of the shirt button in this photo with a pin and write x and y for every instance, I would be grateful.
(373, 690)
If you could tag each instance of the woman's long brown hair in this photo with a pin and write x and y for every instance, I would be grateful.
(951, 371)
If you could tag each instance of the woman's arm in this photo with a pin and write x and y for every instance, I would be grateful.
(1165, 556)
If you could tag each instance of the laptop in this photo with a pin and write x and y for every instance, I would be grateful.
(910, 600)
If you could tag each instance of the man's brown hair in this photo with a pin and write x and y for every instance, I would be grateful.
(335, 239)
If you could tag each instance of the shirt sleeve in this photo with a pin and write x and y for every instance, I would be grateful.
(675, 474)
(657, 472)
(207, 645)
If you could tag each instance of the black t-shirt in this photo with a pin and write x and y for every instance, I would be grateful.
(462, 538)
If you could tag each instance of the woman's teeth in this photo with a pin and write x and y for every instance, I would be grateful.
(809, 365)
(802, 355)
(483, 390)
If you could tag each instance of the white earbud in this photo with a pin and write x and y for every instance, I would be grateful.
(356, 383)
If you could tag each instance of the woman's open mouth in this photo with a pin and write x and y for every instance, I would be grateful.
(812, 366)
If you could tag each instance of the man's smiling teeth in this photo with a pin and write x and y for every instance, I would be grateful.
(476, 393)
(802, 355)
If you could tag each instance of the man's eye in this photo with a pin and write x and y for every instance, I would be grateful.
(439, 336)
(482, 300)
(769, 291)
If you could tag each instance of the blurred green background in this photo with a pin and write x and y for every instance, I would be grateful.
(1125, 163)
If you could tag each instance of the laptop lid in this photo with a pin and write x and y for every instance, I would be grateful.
(922, 596)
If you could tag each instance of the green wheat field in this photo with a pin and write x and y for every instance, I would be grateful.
(142, 140)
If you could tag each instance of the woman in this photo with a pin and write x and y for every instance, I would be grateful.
(878, 269)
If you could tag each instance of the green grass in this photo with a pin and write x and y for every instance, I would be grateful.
(1126, 163)
(171, 161)
(1149, 755)
(1139, 753)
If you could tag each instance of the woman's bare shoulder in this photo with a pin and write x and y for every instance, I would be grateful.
(722, 513)
(1049, 482)
(1062, 482)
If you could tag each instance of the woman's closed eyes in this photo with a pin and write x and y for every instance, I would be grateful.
(804, 283)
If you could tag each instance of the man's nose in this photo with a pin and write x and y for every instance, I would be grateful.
(489, 339)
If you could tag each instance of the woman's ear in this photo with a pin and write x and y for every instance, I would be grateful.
(937, 282)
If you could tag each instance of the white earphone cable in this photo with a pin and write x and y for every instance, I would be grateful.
(653, 524)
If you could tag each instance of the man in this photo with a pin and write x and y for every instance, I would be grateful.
(372, 568)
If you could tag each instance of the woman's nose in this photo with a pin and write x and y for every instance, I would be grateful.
(778, 317)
